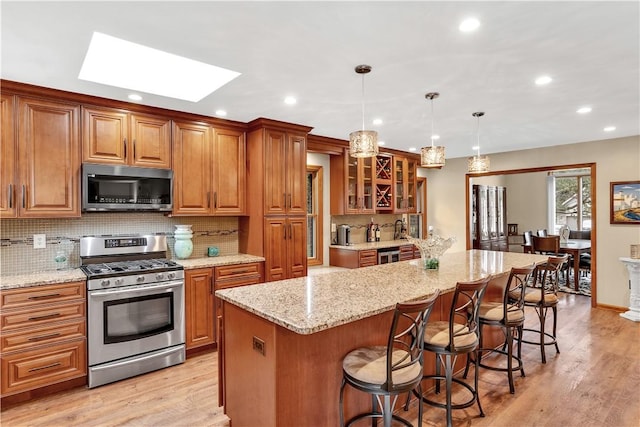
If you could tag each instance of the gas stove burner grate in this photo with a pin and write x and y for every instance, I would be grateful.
(135, 266)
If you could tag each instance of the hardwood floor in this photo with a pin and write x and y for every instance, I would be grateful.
(594, 381)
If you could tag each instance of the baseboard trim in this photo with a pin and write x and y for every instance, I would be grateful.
(612, 307)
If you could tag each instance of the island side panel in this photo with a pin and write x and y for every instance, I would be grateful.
(250, 376)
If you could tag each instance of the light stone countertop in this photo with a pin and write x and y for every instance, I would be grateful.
(312, 304)
(372, 245)
(51, 277)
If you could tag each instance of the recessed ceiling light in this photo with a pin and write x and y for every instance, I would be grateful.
(135, 97)
(434, 137)
(609, 129)
(381, 142)
(468, 25)
(377, 122)
(221, 113)
(290, 100)
(543, 80)
(583, 110)
(412, 149)
(150, 70)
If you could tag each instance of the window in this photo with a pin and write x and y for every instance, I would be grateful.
(314, 215)
(571, 202)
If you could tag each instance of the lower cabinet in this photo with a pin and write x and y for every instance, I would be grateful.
(352, 258)
(406, 252)
(199, 308)
(285, 241)
(43, 338)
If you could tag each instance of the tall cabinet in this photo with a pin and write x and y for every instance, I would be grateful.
(275, 225)
(489, 218)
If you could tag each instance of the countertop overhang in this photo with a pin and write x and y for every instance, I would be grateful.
(312, 304)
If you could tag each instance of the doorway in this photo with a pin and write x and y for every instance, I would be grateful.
(591, 167)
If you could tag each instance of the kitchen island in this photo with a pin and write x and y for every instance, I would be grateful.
(283, 342)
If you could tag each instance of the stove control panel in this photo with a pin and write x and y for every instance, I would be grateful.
(125, 243)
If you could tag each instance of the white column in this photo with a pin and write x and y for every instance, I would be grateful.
(633, 265)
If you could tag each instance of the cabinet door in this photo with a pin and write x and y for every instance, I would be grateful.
(7, 158)
(49, 158)
(104, 136)
(405, 184)
(297, 246)
(192, 169)
(150, 141)
(229, 176)
(366, 186)
(296, 168)
(359, 185)
(275, 241)
(275, 188)
(199, 308)
(411, 185)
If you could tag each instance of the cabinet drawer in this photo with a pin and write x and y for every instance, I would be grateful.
(27, 370)
(45, 334)
(240, 274)
(42, 315)
(368, 258)
(406, 252)
(25, 297)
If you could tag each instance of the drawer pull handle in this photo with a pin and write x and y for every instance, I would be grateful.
(242, 271)
(53, 365)
(37, 297)
(46, 316)
(44, 337)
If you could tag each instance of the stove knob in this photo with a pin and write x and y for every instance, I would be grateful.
(119, 282)
(140, 279)
(160, 276)
(105, 282)
(171, 275)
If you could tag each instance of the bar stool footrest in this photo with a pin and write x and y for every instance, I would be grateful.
(470, 402)
(553, 340)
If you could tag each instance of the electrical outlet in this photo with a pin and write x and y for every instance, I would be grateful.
(258, 345)
(39, 241)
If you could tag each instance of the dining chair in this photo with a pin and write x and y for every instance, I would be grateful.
(391, 370)
(527, 246)
(546, 245)
(542, 232)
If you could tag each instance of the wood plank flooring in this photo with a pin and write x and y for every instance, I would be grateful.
(594, 381)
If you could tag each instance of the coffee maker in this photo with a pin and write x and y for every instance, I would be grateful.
(344, 235)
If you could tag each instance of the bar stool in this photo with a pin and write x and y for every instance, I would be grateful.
(508, 315)
(542, 296)
(391, 370)
(457, 336)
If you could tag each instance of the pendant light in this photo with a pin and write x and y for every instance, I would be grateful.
(478, 163)
(433, 156)
(363, 143)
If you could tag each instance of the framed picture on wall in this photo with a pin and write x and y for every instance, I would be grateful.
(625, 202)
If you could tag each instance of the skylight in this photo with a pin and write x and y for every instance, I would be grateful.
(116, 62)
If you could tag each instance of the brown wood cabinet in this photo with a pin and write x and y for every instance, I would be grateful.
(384, 183)
(348, 258)
(352, 185)
(406, 252)
(43, 336)
(405, 184)
(489, 218)
(199, 308)
(115, 136)
(285, 242)
(42, 139)
(209, 170)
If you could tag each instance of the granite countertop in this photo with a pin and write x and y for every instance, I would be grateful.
(312, 304)
(373, 245)
(75, 274)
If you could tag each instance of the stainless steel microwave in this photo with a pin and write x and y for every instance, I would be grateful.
(126, 188)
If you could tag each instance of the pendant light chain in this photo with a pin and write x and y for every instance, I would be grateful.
(432, 122)
(362, 101)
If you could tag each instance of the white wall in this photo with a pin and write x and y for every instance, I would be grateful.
(616, 160)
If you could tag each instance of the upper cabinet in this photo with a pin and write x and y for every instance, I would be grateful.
(352, 185)
(285, 171)
(209, 170)
(384, 183)
(405, 184)
(119, 137)
(41, 138)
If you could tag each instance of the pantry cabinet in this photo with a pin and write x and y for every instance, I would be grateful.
(41, 158)
(43, 336)
(120, 137)
(209, 170)
(352, 185)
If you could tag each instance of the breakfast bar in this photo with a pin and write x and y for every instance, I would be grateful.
(282, 343)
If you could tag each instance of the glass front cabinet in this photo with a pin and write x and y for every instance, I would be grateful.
(489, 218)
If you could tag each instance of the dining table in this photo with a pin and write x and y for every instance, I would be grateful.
(575, 247)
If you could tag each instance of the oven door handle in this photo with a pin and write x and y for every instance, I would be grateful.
(164, 286)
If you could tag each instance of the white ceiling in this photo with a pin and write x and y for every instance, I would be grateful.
(309, 50)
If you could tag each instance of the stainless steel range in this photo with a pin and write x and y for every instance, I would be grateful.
(135, 306)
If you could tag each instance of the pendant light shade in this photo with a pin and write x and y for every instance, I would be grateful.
(363, 143)
(478, 163)
(432, 156)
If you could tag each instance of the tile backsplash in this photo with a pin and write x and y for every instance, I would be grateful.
(17, 255)
(359, 224)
